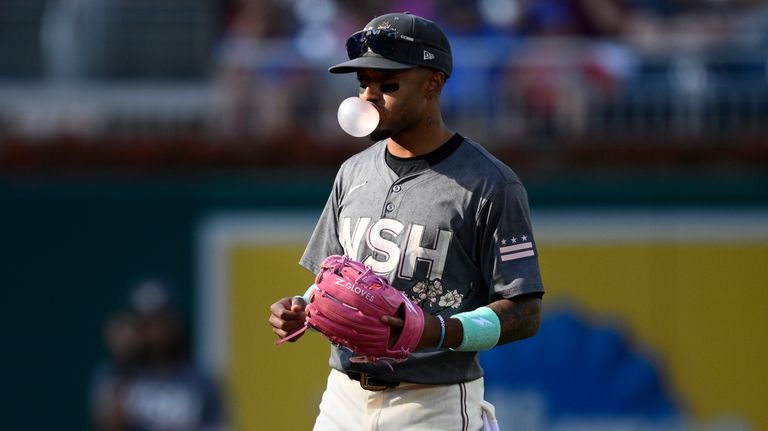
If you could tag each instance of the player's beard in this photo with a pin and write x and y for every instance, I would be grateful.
(380, 134)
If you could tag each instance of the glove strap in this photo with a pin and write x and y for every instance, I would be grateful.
(292, 335)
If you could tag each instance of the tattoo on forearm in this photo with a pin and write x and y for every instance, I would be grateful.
(519, 318)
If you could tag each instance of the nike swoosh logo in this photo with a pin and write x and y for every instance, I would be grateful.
(515, 285)
(353, 188)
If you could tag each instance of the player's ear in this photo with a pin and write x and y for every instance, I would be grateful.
(434, 84)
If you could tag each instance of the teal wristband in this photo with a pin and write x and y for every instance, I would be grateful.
(482, 329)
(306, 294)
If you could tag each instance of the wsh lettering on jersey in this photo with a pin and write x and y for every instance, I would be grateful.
(388, 243)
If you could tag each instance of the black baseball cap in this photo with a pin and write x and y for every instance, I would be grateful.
(398, 41)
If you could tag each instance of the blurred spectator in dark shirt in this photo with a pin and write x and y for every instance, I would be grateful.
(150, 382)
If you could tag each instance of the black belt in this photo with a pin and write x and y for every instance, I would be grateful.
(371, 384)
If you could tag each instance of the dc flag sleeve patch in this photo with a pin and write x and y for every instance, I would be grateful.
(516, 248)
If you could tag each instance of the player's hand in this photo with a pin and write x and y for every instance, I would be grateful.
(396, 324)
(287, 316)
(429, 337)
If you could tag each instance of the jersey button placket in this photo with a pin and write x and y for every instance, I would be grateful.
(392, 198)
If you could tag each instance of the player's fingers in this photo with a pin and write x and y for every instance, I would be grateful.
(392, 321)
(396, 324)
(280, 322)
(283, 327)
(283, 310)
(279, 306)
(298, 304)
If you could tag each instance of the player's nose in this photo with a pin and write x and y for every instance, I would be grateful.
(371, 93)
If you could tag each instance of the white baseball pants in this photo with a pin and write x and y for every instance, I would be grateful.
(347, 406)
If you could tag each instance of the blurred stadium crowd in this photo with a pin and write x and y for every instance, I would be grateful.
(245, 81)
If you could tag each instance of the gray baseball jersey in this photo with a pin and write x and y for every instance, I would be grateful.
(453, 237)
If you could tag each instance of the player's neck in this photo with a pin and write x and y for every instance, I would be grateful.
(420, 140)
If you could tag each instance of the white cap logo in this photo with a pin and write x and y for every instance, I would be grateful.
(428, 55)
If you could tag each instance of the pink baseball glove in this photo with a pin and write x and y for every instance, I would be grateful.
(347, 305)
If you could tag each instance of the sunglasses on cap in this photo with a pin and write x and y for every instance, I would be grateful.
(380, 41)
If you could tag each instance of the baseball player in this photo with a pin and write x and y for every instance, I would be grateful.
(439, 217)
